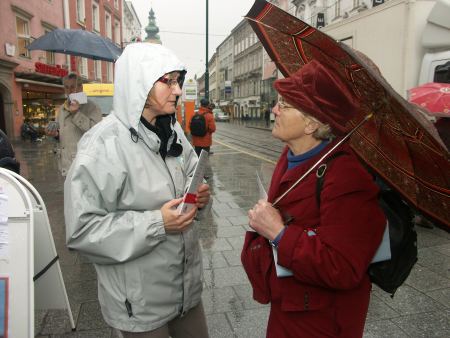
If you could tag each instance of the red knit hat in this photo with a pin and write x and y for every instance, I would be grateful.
(319, 91)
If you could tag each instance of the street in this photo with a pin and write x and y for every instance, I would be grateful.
(420, 308)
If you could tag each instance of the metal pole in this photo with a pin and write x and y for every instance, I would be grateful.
(206, 60)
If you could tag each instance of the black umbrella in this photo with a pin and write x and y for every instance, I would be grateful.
(77, 42)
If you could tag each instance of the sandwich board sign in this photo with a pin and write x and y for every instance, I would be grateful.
(30, 274)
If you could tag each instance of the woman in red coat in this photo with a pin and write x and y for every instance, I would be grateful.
(325, 248)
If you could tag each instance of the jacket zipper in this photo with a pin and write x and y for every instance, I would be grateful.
(129, 309)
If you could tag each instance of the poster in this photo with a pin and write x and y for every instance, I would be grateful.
(4, 302)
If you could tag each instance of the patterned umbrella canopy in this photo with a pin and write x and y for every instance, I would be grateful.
(435, 97)
(398, 143)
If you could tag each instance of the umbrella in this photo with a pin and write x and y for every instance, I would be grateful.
(433, 96)
(398, 143)
(77, 42)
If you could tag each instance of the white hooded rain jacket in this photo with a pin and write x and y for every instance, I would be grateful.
(113, 195)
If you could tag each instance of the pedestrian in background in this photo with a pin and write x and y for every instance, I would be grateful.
(120, 200)
(72, 121)
(205, 142)
(267, 116)
(326, 247)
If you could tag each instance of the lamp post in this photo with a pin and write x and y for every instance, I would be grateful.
(206, 60)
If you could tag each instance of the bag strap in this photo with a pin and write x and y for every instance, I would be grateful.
(320, 173)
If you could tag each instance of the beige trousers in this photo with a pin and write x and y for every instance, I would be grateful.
(191, 325)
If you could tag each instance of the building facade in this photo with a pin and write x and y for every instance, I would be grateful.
(30, 82)
(247, 71)
(103, 17)
(225, 74)
(131, 26)
(213, 83)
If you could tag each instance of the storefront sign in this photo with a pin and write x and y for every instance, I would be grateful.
(52, 70)
(190, 90)
(320, 20)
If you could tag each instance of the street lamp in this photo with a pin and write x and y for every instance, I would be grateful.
(206, 60)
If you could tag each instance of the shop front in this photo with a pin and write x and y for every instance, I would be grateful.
(38, 97)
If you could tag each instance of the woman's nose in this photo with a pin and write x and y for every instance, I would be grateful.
(276, 109)
(177, 90)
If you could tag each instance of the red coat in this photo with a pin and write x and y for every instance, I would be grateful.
(328, 251)
(205, 141)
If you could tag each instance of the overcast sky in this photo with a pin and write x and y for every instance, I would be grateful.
(182, 26)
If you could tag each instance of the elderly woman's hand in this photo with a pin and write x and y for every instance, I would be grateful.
(265, 220)
(173, 221)
(203, 195)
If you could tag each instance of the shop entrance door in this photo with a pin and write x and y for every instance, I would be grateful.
(2, 114)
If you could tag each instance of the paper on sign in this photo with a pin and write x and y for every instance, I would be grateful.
(80, 97)
(4, 230)
(189, 198)
(281, 271)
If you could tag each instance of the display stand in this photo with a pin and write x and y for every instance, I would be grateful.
(32, 266)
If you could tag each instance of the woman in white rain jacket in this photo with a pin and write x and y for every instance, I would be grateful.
(120, 195)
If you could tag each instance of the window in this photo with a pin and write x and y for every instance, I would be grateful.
(95, 17)
(117, 32)
(116, 4)
(83, 66)
(23, 36)
(81, 13)
(355, 3)
(109, 72)
(337, 9)
(49, 56)
(98, 69)
(108, 29)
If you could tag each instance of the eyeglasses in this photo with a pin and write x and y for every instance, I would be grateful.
(283, 106)
(171, 83)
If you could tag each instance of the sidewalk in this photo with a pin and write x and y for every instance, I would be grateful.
(421, 308)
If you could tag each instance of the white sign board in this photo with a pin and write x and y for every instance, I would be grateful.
(190, 90)
(30, 275)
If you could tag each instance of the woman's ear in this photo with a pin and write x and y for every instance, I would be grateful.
(311, 127)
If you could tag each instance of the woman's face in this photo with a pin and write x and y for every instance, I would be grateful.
(290, 123)
(162, 98)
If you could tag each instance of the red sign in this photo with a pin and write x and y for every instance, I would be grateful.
(52, 70)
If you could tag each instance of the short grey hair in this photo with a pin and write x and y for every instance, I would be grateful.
(323, 132)
(73, 76)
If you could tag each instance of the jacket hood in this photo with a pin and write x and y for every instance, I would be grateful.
(136, 71)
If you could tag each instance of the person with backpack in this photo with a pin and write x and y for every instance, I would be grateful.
(202, 126)
(318, 284)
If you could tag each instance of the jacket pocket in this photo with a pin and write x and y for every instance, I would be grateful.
(257, 259)
(133, 282)
(296, 296)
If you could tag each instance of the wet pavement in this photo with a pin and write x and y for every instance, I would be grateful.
(420, 308)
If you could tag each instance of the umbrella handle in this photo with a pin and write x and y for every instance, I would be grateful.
(367, 117)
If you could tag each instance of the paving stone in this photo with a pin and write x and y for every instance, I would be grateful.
(426, 325)
(56, 322)
(232, 231)
(240, 220)
(233, 257)
(409, 301)
(215, 244)
(442, 296)
(229, 213)
(79, 272)
(236, 242)
(379, 310)
(220, 300)
(91, 317)
(219, 327)
(213, 260)
(383, 329)
(423, 279)
(245, 293)
(218, 278)
(101, 333)
(249, 323)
